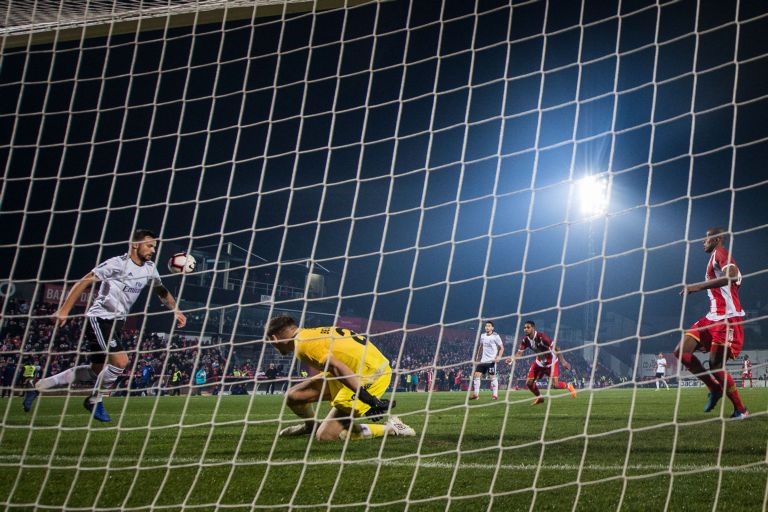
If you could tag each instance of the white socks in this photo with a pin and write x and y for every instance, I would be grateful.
(82, 373)
(476, 386)
(495, 387)
(107, 377)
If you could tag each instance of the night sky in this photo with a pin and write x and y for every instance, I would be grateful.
(424, 154)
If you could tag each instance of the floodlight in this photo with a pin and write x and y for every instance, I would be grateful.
(593, 195)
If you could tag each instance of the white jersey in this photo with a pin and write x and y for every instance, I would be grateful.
(661, 365)
(121, 283)
(491, 345)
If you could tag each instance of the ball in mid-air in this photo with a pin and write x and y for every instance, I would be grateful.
(182, 263)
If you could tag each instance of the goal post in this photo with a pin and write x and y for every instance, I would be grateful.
(404, 172)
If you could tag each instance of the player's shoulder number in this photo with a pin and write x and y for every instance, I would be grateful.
(346, 333)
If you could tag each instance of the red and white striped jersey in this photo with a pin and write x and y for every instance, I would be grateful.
(724, 301)
(542, 345)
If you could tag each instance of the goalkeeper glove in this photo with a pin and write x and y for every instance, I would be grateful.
(378, 407)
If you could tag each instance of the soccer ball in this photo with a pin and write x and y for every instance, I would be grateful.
(182, 263)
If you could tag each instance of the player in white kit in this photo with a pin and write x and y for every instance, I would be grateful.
(121, 279)
(489, 352)
(661, 370)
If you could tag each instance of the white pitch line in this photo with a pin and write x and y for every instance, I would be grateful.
(163, 461)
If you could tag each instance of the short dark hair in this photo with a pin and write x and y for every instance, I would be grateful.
(278, 323)
(141, 234)
(715, 231)
(718, 232)
(533, 324)
(490, 322)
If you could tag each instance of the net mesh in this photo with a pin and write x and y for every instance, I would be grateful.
(405, 170)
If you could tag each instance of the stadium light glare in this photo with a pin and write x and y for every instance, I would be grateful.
(593, 195)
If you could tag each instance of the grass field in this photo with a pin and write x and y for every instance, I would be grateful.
(606, 450)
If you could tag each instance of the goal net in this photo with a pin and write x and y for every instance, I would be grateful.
(402, 171)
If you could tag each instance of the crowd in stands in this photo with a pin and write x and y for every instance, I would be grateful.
(28, 336)
(160, 365)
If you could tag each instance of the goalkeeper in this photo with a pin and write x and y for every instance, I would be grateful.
(354, 375)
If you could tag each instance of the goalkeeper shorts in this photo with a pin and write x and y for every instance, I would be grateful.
(343, 398)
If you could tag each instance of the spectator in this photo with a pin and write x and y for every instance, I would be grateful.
(271, 375)
(201, 376)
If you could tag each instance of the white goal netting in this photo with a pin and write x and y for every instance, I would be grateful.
(403, 170)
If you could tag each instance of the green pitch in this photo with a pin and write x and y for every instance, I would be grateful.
(605, 450)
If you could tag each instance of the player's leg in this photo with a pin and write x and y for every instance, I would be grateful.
(556, 384)
(81, 374)
(554, 380)
(684, 353)
(476, 383)
(97, 333)
(335, 424)
(107, 375)
(554, 377)
(494, 382)
(338, 424)
(717, 358)
(299, 399)
(530, 382)
(349, 407)
(107, 334)
(116, 363)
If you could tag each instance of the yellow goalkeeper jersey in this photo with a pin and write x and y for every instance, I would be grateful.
(314, 346)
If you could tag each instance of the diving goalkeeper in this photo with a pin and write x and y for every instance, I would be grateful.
(354, 376)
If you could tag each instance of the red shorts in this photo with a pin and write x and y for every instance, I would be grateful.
(537, 372)
(713, 334)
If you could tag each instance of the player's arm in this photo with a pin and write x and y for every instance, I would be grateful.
(166, 297)
(478, 352)
(343, 373)
(500, 351)
(565, 364)
(516, 355)
(732, 274)
(61, 314)
(346, 376)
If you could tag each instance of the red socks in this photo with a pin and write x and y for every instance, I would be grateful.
(730, 390)
(695, 367)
